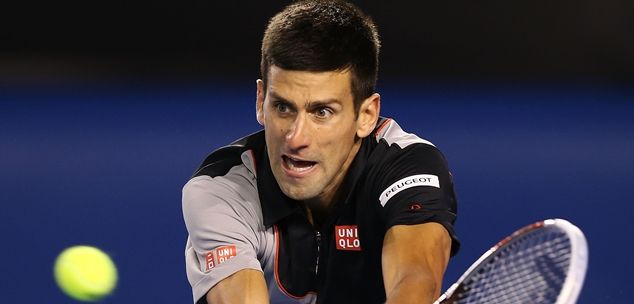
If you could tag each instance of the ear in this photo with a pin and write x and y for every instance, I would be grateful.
(259, 101)
(368, 115)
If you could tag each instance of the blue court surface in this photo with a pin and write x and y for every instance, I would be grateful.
(104, 165)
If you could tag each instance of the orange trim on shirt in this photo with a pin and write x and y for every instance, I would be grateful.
(277, 276)
(253, 161)
(380, 128)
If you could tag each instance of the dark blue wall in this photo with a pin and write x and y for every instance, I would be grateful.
(105, 165)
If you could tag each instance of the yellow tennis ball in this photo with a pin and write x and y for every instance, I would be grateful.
(85, 273)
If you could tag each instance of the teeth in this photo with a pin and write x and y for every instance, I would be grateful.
(293, 164)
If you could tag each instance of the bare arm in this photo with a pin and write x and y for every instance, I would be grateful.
(414, 259)
(244, 286)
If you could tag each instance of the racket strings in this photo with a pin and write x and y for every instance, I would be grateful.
(528, 269)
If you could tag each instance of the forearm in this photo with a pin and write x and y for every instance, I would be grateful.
(413, 267)
(414, 288)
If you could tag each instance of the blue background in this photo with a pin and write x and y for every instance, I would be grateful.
(104, 165)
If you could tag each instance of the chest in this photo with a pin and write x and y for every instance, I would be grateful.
(340, 262)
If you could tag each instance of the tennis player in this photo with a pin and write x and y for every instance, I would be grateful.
(330, 203)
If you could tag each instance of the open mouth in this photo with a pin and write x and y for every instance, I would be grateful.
(297, 165)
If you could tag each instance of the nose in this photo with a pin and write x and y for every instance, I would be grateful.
(298, 135)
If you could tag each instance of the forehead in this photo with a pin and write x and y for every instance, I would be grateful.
(313, 85)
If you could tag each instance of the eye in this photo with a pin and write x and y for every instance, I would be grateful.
(282, 107)
(323, 112)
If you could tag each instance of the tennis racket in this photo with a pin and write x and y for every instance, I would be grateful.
(544, 262)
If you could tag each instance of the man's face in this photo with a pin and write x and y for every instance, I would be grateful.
(312, 133)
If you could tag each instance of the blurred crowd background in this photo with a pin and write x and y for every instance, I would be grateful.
(428, 40)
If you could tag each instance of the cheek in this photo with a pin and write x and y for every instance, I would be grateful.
(338, 142)
(343, 135)
(273, 129)
(276, 126)
(271, 137)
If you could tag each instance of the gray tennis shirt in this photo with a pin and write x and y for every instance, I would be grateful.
(237, 218)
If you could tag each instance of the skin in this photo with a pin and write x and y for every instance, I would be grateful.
(244, 286)
(309, 117)
(312, 136)
(413, 268)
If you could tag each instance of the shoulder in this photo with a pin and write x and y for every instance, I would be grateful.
(409, 180)
(389, 132)
(402, 160)
(235, 190)
(220, 161)
(394, 147)
(224, 185)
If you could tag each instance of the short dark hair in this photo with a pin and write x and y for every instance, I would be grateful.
(324, 35)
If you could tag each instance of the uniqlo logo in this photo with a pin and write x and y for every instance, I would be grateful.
(347, 238)
(209, 261)
(226, 252)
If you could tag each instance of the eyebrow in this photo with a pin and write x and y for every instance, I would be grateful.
(277, 97)
(310, 104)
(318, 103)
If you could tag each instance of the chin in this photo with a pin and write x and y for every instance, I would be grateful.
(298, 194)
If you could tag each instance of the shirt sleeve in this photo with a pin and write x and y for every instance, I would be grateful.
(223, 233)
(416, 187)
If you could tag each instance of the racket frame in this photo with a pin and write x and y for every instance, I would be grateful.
(576, 270)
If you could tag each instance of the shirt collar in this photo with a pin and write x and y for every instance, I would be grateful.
(276, 205)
